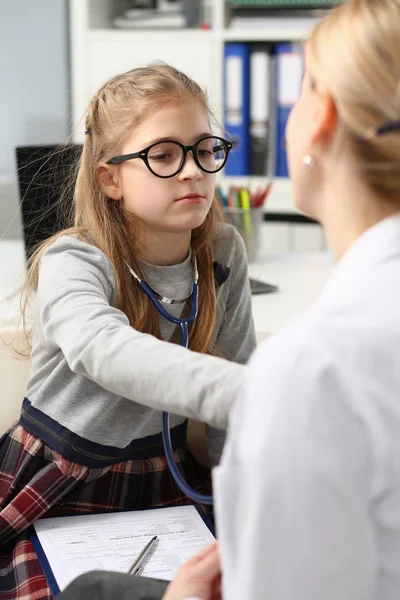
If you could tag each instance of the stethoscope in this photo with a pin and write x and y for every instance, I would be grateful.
(157, 300)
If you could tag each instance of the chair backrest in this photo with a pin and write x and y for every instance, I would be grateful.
(42, 175)
(14, 373)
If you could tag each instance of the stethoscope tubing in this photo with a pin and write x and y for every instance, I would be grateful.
(166, 434)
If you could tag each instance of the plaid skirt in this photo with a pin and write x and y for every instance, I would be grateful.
(36, 481)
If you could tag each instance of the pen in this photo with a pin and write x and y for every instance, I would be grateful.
(142, 556)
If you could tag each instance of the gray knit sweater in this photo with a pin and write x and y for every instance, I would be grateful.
(98, 383)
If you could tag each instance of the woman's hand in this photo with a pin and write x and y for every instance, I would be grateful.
(199, 578)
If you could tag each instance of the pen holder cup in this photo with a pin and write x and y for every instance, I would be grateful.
(248, 223)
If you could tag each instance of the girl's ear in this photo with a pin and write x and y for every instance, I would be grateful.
(108, 180)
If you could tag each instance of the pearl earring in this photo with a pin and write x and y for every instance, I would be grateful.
(308, 160)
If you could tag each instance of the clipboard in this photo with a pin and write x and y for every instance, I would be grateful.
(44, 561)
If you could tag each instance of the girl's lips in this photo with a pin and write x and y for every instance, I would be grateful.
(191, 199)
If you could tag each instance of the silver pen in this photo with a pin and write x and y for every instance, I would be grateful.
(142, 556)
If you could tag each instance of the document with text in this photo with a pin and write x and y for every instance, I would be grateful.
(75, 545)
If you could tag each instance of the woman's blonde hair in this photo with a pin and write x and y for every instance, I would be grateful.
(355, 53)
(114, 110)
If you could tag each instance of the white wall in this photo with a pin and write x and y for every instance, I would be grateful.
(34, 84)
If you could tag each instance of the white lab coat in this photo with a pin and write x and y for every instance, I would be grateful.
(308, 490)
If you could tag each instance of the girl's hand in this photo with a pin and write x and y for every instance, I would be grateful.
(199, 578)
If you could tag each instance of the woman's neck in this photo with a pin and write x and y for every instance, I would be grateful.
(348, 210)
(164, 248)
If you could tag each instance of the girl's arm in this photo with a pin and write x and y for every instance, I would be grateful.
(236, 339)
(76, 312)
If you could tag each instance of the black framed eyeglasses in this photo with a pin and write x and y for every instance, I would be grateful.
(166, 158)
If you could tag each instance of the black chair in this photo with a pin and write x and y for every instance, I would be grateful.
(45, 180)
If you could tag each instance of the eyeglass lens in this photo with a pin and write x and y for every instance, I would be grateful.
(165, 158)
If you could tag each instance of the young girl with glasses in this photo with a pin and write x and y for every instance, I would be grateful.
(89, 435)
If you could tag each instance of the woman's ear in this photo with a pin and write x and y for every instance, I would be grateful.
(109, 181)
(325, 116)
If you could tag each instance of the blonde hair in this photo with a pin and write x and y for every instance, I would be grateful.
(114, 110)
(355, 53)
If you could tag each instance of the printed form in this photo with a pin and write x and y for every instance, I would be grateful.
(75, 545)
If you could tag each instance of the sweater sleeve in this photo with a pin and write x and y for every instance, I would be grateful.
(75, 309)
(236, 339)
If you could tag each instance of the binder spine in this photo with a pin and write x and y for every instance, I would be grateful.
(236, 106)
(259, 108)
(289, 71)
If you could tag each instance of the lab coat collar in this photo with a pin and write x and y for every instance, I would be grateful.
(376, 245)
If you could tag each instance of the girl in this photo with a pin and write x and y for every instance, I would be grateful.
(89, 436)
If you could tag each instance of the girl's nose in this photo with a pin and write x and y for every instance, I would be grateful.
(190, 170)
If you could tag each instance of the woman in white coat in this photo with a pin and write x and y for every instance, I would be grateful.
(308, 491)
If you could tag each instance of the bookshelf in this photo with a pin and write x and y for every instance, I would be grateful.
(99, 51)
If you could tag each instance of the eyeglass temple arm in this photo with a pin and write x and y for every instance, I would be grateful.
(116, 160)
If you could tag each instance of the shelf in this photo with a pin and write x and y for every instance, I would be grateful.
(257, 35)
(166, 35)
(274, 29)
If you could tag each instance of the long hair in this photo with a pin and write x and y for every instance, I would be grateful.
(114, 110)
(355, 53)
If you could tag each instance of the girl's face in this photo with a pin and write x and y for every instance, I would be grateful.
(179, 203)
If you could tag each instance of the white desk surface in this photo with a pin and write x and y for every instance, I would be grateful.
(299, 276)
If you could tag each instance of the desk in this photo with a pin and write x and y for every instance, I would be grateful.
(299, 276)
